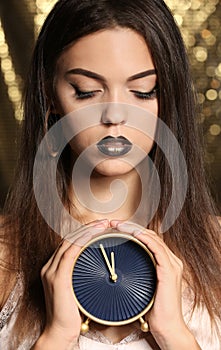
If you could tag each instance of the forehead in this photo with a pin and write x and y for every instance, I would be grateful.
(108, 50)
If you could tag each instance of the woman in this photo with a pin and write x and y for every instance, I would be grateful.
(109, 53)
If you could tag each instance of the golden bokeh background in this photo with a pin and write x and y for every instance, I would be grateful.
(200, 23)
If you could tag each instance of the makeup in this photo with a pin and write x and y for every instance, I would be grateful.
(114, 146)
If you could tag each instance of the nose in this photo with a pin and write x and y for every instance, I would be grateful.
(114, 113)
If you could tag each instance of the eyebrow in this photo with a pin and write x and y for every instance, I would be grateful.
(99, 77)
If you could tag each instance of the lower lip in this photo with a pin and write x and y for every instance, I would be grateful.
(114, 149)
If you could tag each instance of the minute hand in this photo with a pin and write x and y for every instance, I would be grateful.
(114, 275)
(106, 259)
(111, 268)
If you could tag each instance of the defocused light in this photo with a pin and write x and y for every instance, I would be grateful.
(218, 71)
(11, 79)
(201, 98)
(215, 84)
(190, 40)
(212, 94)
(210, 71)
(200, 53)
(43, 7)
(195, 4)
(215, 129)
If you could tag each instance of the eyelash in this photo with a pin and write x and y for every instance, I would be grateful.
(146, 95)
(81, 95)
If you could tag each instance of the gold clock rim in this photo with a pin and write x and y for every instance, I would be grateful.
(129, 320)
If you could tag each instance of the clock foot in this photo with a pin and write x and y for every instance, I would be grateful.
(144, 325)
(85, 326)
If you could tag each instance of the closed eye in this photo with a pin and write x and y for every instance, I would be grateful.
(146, 95)
(80, 95)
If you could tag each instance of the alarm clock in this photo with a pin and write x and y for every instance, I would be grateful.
(114, 280)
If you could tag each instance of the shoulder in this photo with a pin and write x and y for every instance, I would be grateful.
(204, 330)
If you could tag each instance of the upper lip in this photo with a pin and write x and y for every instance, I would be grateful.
(121, 140)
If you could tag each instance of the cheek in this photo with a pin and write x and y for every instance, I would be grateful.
(147, 144)
(79, 143)
(153, 107)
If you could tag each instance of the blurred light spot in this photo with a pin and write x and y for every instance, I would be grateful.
(215, 129)
(6, 64)
(210, 71)
(211, 94)
(190, 40)
(215, 84)
(209, 7)
(200, 53)
(205, 34)
(207, 112)
(11, 79)
(218, 70)
(211, 40)
(43, 7)
(4, 49)
(195, 5)
(201, 98)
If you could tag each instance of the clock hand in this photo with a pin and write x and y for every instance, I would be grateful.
(111, 269)
(106, 259)
(114, 275)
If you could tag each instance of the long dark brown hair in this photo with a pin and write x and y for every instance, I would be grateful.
(194, 237)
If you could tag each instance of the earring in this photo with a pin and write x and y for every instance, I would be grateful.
(52, 139)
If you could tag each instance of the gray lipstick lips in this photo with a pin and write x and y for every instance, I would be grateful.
(114, 146)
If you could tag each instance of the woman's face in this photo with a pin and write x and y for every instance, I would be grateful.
(108, 66)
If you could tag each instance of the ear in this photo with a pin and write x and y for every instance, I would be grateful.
(52, 141)
(51, 117)
(51, 98)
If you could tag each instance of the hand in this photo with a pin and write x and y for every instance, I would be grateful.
(63, 319)
(111, 266)
(165, 319)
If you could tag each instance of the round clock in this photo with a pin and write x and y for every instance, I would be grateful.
(114, 280)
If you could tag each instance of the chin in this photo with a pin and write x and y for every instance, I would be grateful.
(113, 167)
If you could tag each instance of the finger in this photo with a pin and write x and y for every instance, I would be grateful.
(53, 261)
(66, 262)
(165, 259)
(136, 230)
(91, 228)
(114, 223)
(131, 227)
(159, 251)
(174, 260)
(89, 233)
(85, 238)
(80, 236)
(141, 233)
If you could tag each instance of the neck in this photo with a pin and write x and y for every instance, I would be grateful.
(110, 197)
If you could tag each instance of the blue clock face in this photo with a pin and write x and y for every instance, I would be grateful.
(114, 279)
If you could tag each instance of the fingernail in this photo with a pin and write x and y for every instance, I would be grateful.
(120, 224)
(114, 223)
(137, 233)
(100, 225)
(102, 220)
